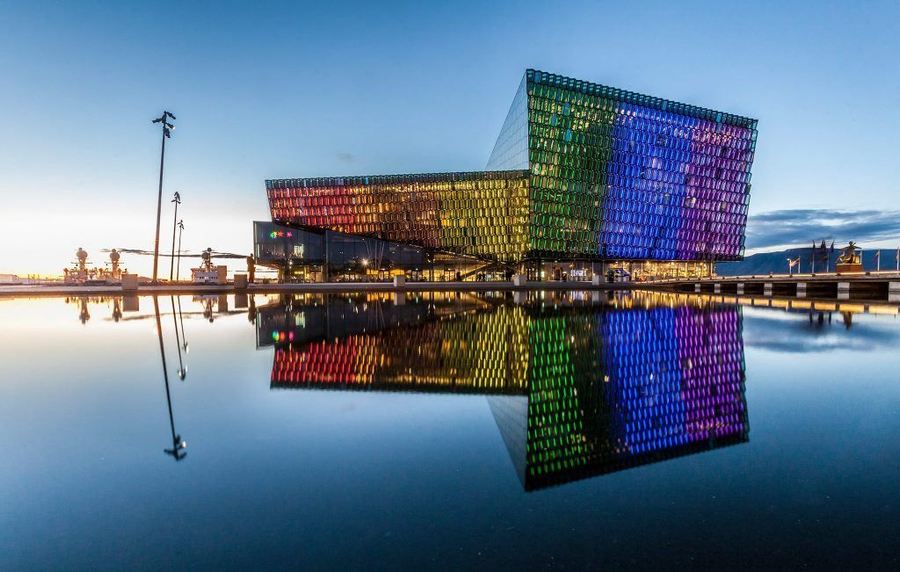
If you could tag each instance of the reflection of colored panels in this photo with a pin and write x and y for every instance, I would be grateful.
(676, 376)
(655, 383)
(555, 429)
(480, 352)
(711, 359)
(346, 362)
(640, 354)
(607, 389)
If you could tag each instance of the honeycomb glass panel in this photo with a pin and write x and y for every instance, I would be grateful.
(622, 176)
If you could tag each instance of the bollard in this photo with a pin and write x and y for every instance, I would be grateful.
(767, 289)
(843, 291)
(801, 289)
(893, 291)
(129, 282)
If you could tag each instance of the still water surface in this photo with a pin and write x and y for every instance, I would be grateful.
(569, 430)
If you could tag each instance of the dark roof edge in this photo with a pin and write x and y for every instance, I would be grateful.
(396, 178)
(545, 78)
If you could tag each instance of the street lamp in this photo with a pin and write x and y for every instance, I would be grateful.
(177, 201)
(178, 267)
(166, 133)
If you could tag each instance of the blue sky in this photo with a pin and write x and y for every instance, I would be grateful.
(267, 90)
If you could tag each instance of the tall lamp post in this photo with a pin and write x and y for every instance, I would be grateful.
(178, 267)
(177, 201)
(166, 133)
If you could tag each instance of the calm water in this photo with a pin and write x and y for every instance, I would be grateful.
(446, 430)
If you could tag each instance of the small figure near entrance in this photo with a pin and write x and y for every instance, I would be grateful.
(251, 269)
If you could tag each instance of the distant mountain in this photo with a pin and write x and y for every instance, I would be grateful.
(776, 262)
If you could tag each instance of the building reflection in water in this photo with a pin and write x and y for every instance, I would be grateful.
(579, 384)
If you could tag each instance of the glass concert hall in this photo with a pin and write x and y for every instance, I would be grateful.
(583, 179)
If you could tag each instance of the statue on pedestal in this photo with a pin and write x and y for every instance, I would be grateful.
(850, 259)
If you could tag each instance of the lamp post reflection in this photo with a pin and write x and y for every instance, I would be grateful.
(181, 319)
(117, 310)
(182, 372)
(178, 444)
(85, 314)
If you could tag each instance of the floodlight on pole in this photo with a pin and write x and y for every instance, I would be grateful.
(167, 129)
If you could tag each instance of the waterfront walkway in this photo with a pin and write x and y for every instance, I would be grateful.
(320, 287)
(880, 287)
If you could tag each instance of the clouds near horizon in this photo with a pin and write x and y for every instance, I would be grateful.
(799, 227)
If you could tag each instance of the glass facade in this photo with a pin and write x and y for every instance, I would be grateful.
(511, 149)
(298, 248)
(577, 388)
(579, 170)
(627, 176)
(481, 214)
(278, 243)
